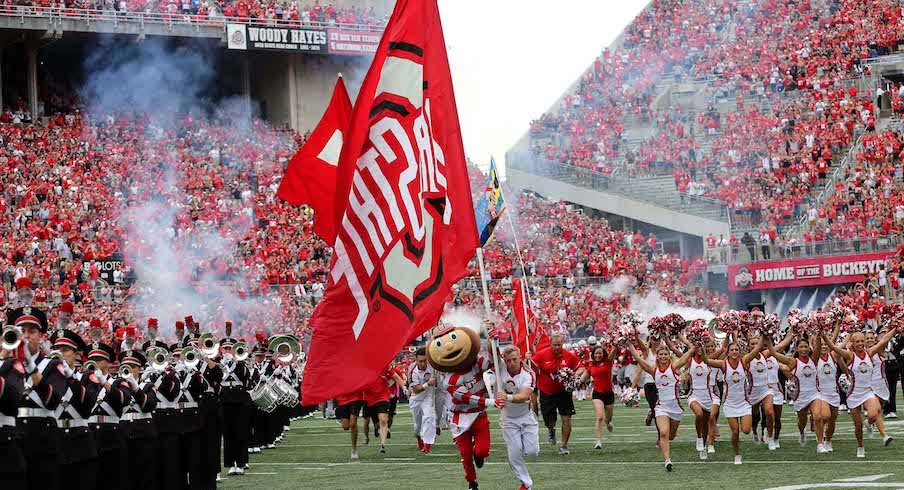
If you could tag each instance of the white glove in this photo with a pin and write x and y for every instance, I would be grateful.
(29, 361)
(133, 383)
(100, 376)
(67, 371)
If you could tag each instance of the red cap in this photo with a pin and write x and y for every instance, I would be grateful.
(95, 323)
(189, 320)
(228, 324)
(23, 282)
(152, 322)
(180, 325)
(261, 337)
(130, 331)
(67, 307)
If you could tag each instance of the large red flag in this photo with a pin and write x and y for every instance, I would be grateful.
(311, 175)
(404, 220)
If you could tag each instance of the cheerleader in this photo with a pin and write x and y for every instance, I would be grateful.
(827, 367)
(735, 403)
(861, 395)
(760, 394)
(879, 382)
(703, 398)
(668, 410)
(599, 368)
(807, 399)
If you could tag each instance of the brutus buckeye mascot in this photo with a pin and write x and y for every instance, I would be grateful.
(456, 351)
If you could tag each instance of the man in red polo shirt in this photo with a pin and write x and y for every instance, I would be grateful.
(553, 395)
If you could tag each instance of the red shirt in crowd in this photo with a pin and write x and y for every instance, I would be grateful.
(548, 364)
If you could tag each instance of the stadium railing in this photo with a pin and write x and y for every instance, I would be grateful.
(93, 15)
(745, 254)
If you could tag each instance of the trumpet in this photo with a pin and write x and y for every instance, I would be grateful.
(208, 345)
(55, 354)
(90, 367)
(285, 348)
(125, 370)
(240, 351)
(190, 357)
(159, 359)
(12, 337)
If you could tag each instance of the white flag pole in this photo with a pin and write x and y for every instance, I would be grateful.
(494, 344)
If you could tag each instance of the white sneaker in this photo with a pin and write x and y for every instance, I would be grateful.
(861, 453)
(778, 445)
(842, 408)
(703, 455)
(772, 445)
(820, 449)
(711, 449)
(803, 438)
(887, 440)
(355, 456)
(563, 450)
(218, 479)
(891, 415)
(599, 445)
(700, 446)
(737, 459)
(828, 446)
(239, 471)
(231, 471)
(869, 430)
(668, 465)
(257, 450)
(756, 438)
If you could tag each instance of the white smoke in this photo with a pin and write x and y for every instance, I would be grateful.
(653, 305)
(618, 286)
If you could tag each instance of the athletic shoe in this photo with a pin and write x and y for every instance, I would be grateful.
(737, 459)
(564, 450)
(239, 471)
(271, 446)
(420, 444)
(891, 415)
(699, 445)
(711, 449)
(820, 449)
(861, 453)
(599, 445)
(478, 462)
(772, 445)
(756, 438)
(218, 479)
(778, 445)
(703, 455)
(231, 471)
(246, 466)
(552, 437)
(250, 450)
(828, 446)
(842, 407)
(869, 430)
(427, 449)
(802, 439)
(668, 465)
(355, 456)
(388, 435)
(609, 426)
(887, 440)
(649, 418)
(473, 486)
(382, 448)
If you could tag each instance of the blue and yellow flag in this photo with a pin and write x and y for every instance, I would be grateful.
(490, 206)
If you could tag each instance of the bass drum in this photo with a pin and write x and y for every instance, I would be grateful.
(264, 397)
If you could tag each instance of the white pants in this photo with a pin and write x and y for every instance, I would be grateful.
(521, 435)
(423, 416)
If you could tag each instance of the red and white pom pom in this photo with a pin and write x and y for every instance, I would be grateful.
(698, 332)
(797, 321)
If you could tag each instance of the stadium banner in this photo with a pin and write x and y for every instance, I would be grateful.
(353, 43)
(307, 40)
(105, 268)
(815, 271)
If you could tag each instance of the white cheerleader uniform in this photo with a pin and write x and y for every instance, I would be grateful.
(758, 389)
(827, 380)
(714, 386)
(861, 381)
(879, 383)
(736, 404)
(807, 383)
(702, 382)
(667, 388)
(778, 394)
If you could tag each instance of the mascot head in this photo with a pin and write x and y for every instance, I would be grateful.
(454, 349)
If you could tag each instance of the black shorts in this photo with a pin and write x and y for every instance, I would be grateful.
(350, 409)
(651, 394)
(393, 403)
(378, 408)
(560, 402)
(607, 397)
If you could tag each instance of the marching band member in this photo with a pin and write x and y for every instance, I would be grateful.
(115, 394)
(421, 385)
(138, 424)
(12, 386)
(519, 428)
(79, 447)
(211, 420)
(170, 422)
(45, 385)
(258, 440)
(236, 406)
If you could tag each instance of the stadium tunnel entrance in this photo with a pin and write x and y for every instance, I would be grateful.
(44, 75)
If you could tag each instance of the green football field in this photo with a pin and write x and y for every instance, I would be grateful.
(315, 454)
